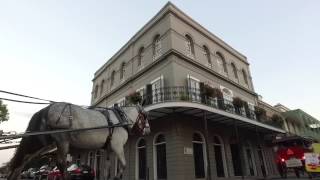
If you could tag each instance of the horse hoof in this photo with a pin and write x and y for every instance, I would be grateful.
(116, 178)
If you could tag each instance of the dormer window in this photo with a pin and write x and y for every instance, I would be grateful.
(245, 76)
(222, 63)
(101, 87)
(96, 89)
(189, 46)
(234, 69)
(156, 47)
(112, 78)
(207, 56)
(140, 56)
(122, 70)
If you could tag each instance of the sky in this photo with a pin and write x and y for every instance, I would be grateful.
(51, 49)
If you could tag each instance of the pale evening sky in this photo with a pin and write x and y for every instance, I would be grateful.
(51, 49)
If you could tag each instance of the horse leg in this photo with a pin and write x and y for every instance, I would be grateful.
(28, 158)
(119, 151)
(63, 149)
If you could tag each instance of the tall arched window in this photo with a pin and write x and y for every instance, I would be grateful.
(221, 63)
(219, 155)
(234, 69)
(207, 55)
(262, 161)
(160, 157)
(141, 160)
(140, 56)
(96, 89)
(245, 76)
(198, 155)
(101, 87)
(91, 159)
(189, 46)
(250, 161)
(122, 70)
(156, 47)
(112, 78)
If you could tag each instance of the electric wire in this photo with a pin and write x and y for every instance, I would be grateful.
(16, 94)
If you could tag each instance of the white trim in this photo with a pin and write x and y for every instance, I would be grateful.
(155, 175)
(121, 100)
(222, 87)
(193, 78)
(223, 153)
(158, 78)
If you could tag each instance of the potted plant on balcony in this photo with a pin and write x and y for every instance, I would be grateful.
(134, 98)
(206, 93)
(260, 113)
(217, 93)
(277, 120)
(238, 104)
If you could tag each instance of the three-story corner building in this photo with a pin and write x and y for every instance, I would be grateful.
(189, 79)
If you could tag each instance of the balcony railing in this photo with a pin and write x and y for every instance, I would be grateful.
(188, 94)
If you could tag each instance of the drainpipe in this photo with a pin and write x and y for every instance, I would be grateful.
(207, 144)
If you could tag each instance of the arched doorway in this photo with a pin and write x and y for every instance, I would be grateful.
(250, 158)
(141, 160)
(199, 155)
(160, 157)
(262, 161)
(220, 157)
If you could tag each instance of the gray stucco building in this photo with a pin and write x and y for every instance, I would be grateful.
(172, 61)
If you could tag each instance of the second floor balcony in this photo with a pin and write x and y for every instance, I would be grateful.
(195, 95)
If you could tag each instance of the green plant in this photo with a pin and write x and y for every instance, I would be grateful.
(183, 97)
(208, 90)
(4, 113)
(134, 98)
(238, 102)
(277, 120)
(260, 112)
(216, 92)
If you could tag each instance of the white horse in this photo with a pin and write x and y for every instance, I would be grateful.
(69, 116)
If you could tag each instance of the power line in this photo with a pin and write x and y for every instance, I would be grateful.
(28, 102)
(16, 94)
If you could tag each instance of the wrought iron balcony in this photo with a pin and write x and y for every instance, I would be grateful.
(188, 94)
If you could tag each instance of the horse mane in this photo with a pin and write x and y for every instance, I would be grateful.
(29, 144)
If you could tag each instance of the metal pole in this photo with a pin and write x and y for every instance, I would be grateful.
(240, 149)
(207, 144)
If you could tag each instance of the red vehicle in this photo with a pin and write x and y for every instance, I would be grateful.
(290, 154)
(54, 174)
(75, 172)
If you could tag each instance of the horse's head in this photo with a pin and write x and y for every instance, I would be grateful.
(139, 119)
